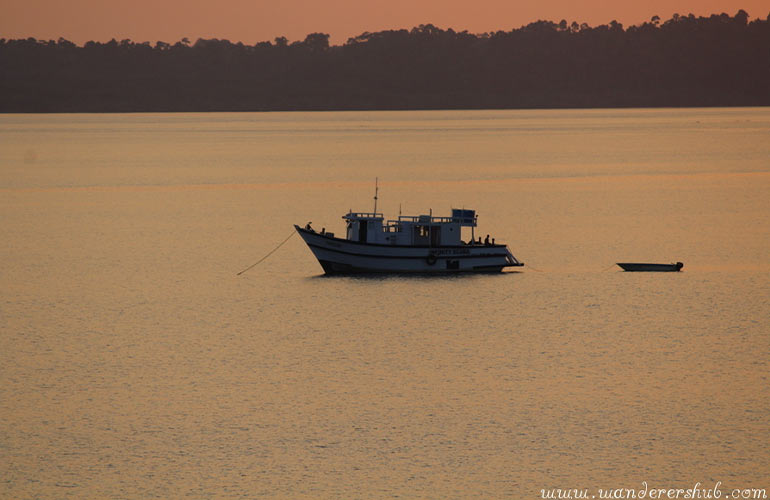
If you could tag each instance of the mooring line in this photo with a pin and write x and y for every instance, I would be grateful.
(541, 271)
(293, 232)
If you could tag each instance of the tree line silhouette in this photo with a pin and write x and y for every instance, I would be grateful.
(685, 61)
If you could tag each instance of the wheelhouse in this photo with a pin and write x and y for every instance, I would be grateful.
(407, 230)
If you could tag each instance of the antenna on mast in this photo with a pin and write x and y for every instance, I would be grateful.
(376, 191)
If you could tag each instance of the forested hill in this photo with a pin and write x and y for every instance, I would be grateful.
(685, 61)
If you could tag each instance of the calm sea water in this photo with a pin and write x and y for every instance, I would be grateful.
(134, 363)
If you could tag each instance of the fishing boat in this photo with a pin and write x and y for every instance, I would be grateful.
(408, 244)
(657, 268)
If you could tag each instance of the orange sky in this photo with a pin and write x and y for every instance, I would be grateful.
(253, 21)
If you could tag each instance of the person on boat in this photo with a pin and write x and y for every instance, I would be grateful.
(479, 240)
(323, 230)
(493, 241)
(307, 226)
(486, 240)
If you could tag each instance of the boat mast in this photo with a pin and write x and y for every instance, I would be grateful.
(376, 190)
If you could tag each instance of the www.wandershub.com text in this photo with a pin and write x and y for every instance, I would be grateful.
(698, 491)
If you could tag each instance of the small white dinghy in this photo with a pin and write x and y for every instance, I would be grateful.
(655, 268)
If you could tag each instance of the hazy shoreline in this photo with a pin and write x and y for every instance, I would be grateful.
(684, 62)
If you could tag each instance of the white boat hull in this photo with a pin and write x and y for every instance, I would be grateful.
(340, 256)
(645, 267)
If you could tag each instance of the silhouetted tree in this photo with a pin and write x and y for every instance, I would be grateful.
(317, 42)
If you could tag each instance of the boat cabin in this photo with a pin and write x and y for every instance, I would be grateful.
(420, 230)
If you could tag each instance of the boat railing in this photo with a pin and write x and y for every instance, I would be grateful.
(363, 215)
(425, 219)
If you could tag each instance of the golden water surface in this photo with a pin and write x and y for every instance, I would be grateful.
(134, 363)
